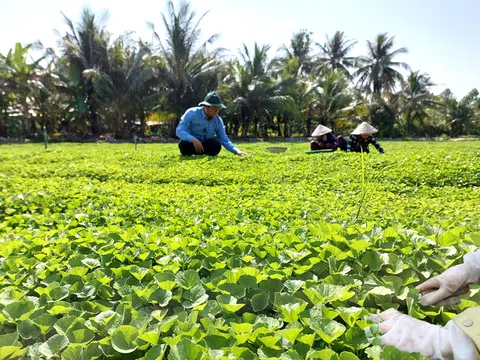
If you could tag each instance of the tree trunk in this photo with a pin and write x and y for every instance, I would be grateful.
(309, 125)
(235, 127)
(173, 127)
(92, 112)
(4, 124)
(408, 120)
(286, 129)
(332, 125)
(26, 125)
(245, 127)
(141, 117)
(255, 127)
(119, 125)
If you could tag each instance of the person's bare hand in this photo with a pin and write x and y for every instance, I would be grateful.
(241, 153)
(198, 146)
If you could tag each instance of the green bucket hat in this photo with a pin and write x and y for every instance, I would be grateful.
(213, 99)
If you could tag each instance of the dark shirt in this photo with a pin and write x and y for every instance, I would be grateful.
(331, 139)
(353, 140)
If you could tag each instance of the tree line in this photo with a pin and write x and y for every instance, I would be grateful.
(95, 85)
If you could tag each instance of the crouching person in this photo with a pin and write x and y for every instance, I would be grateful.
(323, 139)
(360, 139)
(201, 129)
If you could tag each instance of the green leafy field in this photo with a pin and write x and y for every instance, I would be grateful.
(110, 253)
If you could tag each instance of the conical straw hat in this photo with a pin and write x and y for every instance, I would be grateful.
(321, 130)
(364, 128)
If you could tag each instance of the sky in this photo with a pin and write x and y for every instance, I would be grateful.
(441, 36)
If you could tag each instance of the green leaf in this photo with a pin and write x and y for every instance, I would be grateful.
(372, 260)
(53, 346)
(292, 331)
(248, 281)
(325, 293)
(216, 341)
(187, 279)
(327, 329)
(350, 315)
(307, 339)
(211, 309)
(44, 322)
(381, 290)
(165, 280)
(235, 290)
(270, 341)
(194, 297)
(271, 285)
(392, 353)
(294, 285)
(124, 339)
(12, 352)
(242, 328)
(138, 272)
(290, 355)
(260, 301)
(17, 309)
(348, 356)
(448, 238)
(229, 303)
(156, 352)
(66, 323)
(10, 339)
(355, 339)
(73, 352)
(289, 306)
(395, 265)
(151, 337)
(91, 263)
(60, 292)
(28, 330)
(160, 297)
(59, 310)
(185, 350)
(80, 336)
(326, 354)
(82, 290)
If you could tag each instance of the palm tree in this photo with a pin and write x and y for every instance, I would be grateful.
(377, 72)
(300, 49)
(186, 64)
(460, 114)
(6, 88)
(86, 48)
(256, 94)
(122, 91)
(416, 98)
(334, 53)
(22, 77)
(332, 97)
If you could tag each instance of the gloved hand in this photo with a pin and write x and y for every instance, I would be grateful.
(412, 335)
(445, 288)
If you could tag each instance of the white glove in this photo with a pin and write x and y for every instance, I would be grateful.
(445, 288)
(412, 335)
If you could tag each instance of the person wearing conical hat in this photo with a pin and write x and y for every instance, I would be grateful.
(323, 139)
(360, 138)
(201, 129)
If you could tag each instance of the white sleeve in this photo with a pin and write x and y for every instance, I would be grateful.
(463, 347)
(472, 260)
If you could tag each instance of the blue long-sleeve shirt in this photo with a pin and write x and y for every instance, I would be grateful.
(194, 124)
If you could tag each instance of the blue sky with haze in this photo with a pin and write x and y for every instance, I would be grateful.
(442, 36)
